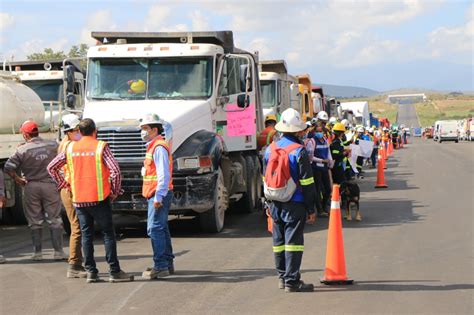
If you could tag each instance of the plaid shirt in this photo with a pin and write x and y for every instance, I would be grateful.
(54, 169)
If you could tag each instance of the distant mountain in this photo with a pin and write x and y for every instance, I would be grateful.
(346, 91)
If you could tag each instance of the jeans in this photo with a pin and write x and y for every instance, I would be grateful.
(102, 214)
(158, 231)
(322, 180)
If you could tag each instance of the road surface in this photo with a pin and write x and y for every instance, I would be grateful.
(412, 253)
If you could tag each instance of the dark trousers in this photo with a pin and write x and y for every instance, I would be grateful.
(373, 156)
(102, 214)
(359, 164)
(323, 185)
(338, 175)
(288, 241)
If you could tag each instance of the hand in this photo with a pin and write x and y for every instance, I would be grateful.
(112, 197)
(2, 201)
(311, 218)
(157, 205)
(21, 180)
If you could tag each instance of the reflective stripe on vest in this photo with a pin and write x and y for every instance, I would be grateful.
(150, 177)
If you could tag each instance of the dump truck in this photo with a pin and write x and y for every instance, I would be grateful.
(46, 79)
(360, 111)
(275, 86)
(306, 100)
(207, 90)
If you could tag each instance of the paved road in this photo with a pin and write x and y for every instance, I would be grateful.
(412, 253)
(407, 116)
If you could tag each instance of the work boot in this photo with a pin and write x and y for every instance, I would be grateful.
(92, 277)
(57, 240)
(2, 259)
(300, 287)
(348, 216)
(152, 273)
(76, 271)
(37, 238)
(358, 216)
(171, 269)
(121, 276)
(281, 283)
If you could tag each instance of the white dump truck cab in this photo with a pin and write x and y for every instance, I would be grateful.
(46, 78)
(207, 91)
(275, 86)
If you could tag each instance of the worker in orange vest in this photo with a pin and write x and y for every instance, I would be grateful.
(157, 188)
(95, 181)
(266, 136)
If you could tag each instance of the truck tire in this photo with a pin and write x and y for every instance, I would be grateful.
(212, 221)
(249, 201)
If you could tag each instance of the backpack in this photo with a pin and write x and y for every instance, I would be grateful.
(278, 184)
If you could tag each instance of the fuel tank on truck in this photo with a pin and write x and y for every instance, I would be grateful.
(17, 104)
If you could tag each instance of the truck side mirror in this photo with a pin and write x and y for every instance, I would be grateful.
(243, 79)
(70, 100)
(243, 100)
(69, 81)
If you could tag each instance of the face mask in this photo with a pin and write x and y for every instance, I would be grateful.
(144, 135)
(319, 135)
(304, 136)
(77, 136)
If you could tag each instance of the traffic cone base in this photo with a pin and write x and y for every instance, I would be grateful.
(335, 271)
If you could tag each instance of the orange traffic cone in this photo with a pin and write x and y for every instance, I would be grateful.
(390, 148)
(335, 272)
(380, 174)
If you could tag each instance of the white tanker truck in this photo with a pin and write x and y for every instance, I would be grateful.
(18, 103)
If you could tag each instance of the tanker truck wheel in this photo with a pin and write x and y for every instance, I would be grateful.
(212, 221)
(249, 201)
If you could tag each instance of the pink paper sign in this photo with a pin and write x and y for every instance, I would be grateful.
(241, 122)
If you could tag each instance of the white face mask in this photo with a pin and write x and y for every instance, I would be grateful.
(144, 135)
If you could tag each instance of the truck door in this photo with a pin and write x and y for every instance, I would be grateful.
(236, 116)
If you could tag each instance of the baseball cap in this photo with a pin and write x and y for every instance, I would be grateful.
(29, 126)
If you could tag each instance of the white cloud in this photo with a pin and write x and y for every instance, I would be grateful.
(157, 18)
(6, 20)
(199, 21)
(99, 21)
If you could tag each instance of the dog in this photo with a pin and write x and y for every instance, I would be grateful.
(350, 195)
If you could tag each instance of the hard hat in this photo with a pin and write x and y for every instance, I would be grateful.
(308, 124)
(371, 130)
(345, 122)
(339, 127)
(322, 115)
(314, 121)
(151, 119)
(290, 121)
(360, 129)
(270, 117)
(69, 122)
(332, 120)
(29, 126)
(137, 86)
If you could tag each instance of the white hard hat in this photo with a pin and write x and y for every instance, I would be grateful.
(290, 121)
(314, 120)
(360, 129)
(332, 120)
(69, 122)
(308, 124)
(371, 129)
(151, 119)
(345, 122)
(322, 115)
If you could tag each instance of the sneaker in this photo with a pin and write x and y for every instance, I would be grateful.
(60, 256)
(300, 287)
(2, 259)
(75, 271)
(92, 277)
(358, 217)
(349, 217)
(120, 276)
(323, 214)
(37, 256)
(281, 283)
(152, 273)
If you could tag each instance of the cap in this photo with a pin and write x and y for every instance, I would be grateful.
(29, 126)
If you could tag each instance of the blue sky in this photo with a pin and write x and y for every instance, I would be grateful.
(376, 44)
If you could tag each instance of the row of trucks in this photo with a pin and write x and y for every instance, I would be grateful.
(453, 130)
(213, 94)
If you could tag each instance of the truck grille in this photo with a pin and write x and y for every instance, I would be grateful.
(125, 144)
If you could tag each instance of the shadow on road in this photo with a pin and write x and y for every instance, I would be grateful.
(390, 286)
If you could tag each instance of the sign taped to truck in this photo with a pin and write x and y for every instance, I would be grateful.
(241, 122)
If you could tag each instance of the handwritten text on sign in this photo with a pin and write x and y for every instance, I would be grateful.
(241, 122)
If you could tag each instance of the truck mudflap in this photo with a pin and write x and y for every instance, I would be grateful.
(194, 193)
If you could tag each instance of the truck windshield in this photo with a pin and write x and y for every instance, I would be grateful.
(47, 90)
(159, 78)
(268, 91)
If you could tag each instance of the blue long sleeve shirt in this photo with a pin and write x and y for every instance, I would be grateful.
(162, 164)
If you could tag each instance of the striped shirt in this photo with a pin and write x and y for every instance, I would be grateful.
(54, 169)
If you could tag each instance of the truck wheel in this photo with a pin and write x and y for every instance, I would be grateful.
(249, 202)
(212, 221)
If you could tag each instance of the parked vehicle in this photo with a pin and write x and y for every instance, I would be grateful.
(428, 133)
(275, 83)
(468, 129)
(306, 100)
(446, 130)
(360, 111)
(417, 132)
(209, 92)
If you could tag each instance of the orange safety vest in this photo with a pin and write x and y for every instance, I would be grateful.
(150, 178)
(266, 136)
(89, 176)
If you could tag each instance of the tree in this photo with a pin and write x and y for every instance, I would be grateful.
(76, 51)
